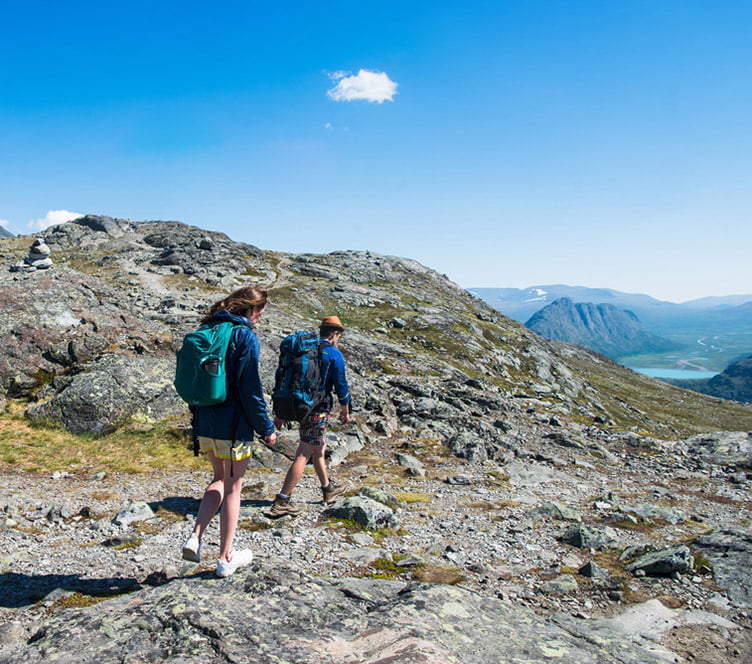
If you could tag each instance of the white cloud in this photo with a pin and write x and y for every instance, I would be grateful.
(336, 75)
(366, 85)
(4, 222)
(52, 218)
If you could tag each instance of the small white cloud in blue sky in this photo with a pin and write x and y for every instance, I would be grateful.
(366, 85)
(4, 222)
(52, 218)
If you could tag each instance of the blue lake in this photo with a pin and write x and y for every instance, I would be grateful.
(681, 374)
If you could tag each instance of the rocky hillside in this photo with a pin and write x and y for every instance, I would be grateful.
(508, 498)
(90, 341)
(601, 327)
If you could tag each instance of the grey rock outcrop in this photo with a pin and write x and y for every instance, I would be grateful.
(723, 448)
(412, 465)
(133, 511)
(273, 612)
(117, 390)
(665, 562)
(585, 537)
(729, 551)
(365, 511)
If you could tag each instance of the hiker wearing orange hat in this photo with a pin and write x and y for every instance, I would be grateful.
(312, 445)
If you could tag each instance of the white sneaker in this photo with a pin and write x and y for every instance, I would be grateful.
(192, 549)
(239, 559)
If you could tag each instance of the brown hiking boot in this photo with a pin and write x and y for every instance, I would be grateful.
(282, 506)
(332, 491)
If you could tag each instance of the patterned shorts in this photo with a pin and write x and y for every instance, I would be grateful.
(313, 427)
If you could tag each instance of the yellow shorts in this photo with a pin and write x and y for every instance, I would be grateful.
(223, 449)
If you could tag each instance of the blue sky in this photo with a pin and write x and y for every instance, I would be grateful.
(509, 144)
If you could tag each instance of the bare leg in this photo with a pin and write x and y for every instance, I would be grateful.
(295, 472)
(228, 517)
(212, 498)
(319, 463)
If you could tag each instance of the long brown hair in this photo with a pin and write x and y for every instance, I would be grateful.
(238, 302)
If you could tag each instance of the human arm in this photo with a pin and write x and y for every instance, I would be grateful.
(339, 382)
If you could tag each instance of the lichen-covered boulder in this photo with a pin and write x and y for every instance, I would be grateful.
(674, 559)
(116, 390)
(362, 510)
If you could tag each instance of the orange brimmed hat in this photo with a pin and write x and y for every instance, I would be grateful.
(332, 321)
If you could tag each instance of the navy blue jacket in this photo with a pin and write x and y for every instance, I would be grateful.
(243, 388)
(333, 374)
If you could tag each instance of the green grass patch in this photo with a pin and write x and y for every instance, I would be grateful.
(256, 525)
(411, 497)
(641, 526)
(497, 478)
(352, 526)
(387, 569)
(76, 600)
(425, 573)
(43, 448)
(131, 544)
(484, 505)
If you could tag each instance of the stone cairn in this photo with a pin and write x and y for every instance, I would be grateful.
(38, 258)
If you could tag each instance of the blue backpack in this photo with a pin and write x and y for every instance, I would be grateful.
(200, 371)
(298, 376)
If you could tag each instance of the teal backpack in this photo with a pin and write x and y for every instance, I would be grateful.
(200, 371)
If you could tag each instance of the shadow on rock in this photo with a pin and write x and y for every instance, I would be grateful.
(176, 504)
(20, 590)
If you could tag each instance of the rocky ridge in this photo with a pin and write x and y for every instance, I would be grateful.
(533, 475)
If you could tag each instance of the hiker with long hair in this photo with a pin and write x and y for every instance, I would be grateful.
(226, 431)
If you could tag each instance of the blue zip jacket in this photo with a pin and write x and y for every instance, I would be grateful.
(243, 387)
(333, 374)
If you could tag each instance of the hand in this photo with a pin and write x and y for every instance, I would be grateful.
(270, 440)
(344, 414)
(279, 423)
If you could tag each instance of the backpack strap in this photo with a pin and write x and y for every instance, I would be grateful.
(194, 437)
(325, 396)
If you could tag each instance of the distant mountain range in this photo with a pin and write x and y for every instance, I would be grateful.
(601, 327)
(657, 315)
(5, 233)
